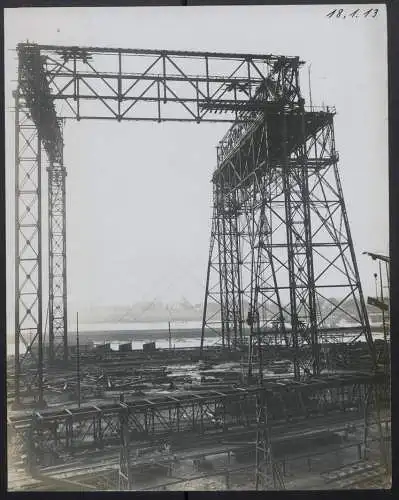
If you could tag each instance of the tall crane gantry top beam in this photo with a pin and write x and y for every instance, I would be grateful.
(68, 82)
(71, 50)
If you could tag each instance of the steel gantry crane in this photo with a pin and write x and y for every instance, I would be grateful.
(280, 229)
(282, 263)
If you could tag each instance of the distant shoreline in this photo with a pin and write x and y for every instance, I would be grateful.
(148, 334)
(132, 335)
(140, 335)
(160, 319)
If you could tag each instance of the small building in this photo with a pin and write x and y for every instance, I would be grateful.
(126, 347)
(149, 347)
(104, 347)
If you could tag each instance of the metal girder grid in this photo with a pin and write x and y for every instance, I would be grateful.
(228, 256)
(101, 471)
(229, 283)
(281, 91)
(36, 126)
(301, 279)
(350, 398)
(295, 250)
(173, 418)
(146, 423)
(363, 396)
(160, 85)
(28, 250)
(58, 328)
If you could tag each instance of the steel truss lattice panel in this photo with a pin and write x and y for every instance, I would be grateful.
(156, 85)
(58, 329)
(210, 415)
(281, 245)
(28, 262)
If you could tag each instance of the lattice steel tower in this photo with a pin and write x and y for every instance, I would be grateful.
(282, 266)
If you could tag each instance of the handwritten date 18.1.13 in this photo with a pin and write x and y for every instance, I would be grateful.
(356, 14)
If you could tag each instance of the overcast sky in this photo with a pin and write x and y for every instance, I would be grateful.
(139, 194)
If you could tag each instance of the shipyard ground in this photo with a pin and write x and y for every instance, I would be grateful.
(179, 440)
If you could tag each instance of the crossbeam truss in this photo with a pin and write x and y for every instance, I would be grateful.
(205, 415)
(58, 83)
(155, 85)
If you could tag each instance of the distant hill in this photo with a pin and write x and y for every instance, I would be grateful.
(157, 311)
(143, 312)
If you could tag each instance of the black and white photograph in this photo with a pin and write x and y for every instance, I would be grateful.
(197, 248)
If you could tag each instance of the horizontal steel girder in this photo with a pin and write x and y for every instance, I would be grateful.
(153, 85)
(206, 413)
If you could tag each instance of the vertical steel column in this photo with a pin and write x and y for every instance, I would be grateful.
(213, 291)
(232, 273)
(78, 359)
(363, 310)
(292, 278)
(219, 209)
(299, 249)
(237, 269)
(16, 255)
(35, 441)
(28, 249)
(268, 475)
(227, 285)
(367, 396)
(125, 480)
(375, 394)
(205, 310)
(58, 327)
(266, 292)
(310, 282)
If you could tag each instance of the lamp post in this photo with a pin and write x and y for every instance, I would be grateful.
(77, 357)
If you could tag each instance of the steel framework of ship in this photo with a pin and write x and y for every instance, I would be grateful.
(281, 249)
